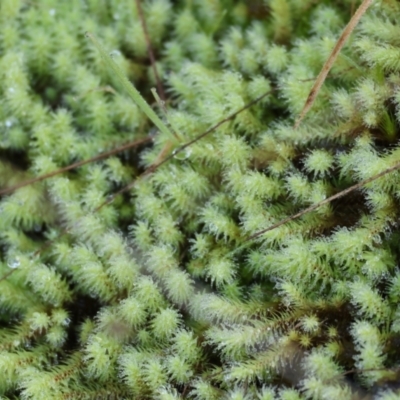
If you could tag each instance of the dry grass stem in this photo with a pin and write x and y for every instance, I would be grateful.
(331, 59)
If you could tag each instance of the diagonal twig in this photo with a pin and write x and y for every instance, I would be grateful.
(150, 51)
(150, 170)
(326, 201)
(76, 165)
(331, 59)
(178, 150)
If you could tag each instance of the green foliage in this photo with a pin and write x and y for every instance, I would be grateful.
(158, 293)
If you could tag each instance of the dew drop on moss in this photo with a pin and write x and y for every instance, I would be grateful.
(14, 263)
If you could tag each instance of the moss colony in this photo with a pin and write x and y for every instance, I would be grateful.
(159, 294)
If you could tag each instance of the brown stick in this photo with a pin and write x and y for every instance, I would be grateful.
(331, 59)
(178, 150)
(145, 173)
(326, 201)
(75, 165)
(150, 51)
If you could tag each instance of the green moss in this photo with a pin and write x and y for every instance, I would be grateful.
(157, 292)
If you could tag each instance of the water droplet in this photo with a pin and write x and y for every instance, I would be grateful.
(52, 12)
(188, 152)
(182, 155)
(11, 89)
(8, 123)
(14, 264)
(377, 239)
(115, 53)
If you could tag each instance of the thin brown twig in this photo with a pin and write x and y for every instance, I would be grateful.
(178, 150)
(76, 165)
(325, 201)
(150, 170)
(150, 51)
(332, 76)
(331, 59)
(5, 276)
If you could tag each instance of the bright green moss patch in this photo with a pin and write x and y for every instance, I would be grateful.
(159, 294)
